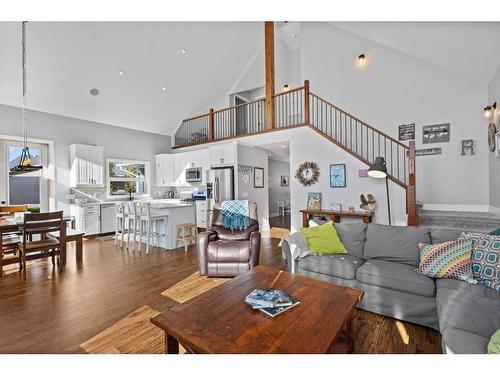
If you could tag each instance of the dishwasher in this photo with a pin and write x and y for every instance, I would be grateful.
(108, 218)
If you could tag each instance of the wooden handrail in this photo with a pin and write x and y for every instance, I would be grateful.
(288, 91)
(195, 117)
(361, 122)
(239, 105)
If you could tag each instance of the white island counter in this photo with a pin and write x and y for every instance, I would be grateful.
(175, 213)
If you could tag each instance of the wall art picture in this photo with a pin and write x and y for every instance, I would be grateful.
(258, 177)
(492, 131)
(428, 151)
(406, 132)
(436, 133)
(314, 201)
(468, 147)
(337, 176)
(336, 206)
(363, 173)
(284, 180)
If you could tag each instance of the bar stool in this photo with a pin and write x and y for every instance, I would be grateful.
(149, 225)
(120, 222)
(191, 235)
(133, 218)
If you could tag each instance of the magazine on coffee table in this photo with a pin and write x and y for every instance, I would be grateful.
(271, 301)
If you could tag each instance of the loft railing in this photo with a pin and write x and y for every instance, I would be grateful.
(300, 107)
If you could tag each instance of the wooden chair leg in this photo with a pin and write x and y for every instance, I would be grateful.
(24, 264)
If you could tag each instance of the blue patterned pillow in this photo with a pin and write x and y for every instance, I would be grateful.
(485, 258)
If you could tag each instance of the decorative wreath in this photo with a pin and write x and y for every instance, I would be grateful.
(308, 173)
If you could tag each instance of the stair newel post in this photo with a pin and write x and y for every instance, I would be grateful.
(211, 127)
(306, 102)
(411, 198)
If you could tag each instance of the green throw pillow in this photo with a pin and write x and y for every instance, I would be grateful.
(494, 344)
(323, 239)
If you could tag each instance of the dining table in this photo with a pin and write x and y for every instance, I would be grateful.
(14, 224)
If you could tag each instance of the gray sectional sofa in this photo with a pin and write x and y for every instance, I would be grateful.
(382, 259)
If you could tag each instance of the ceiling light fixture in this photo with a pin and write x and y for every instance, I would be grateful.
(283, 146)
(489, 111)
(361, 60)
(285, 87)
(94, 92)
(121, 72)
(164, 88)
(25, 159)
(270, 154)
(184, 51)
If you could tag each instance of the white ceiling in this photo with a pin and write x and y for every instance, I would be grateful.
(67, 59)
(471, 49)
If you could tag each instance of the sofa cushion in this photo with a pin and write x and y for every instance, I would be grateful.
(337, 265)
(439, 235)
(485, 258)
(353, 236)
(458, 341)
(451, 259)
(222, 251)
(396, 244)
(466, 309)
(468, 290)
(323, 239)
(395, 276)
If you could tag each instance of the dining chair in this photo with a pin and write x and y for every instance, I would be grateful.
(40, 225)
(10, 251)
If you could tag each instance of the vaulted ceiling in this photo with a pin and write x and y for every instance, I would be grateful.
(66, 60)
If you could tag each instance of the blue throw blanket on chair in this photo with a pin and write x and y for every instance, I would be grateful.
(235, 214)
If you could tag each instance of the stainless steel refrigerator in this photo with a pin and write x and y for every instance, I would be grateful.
(221, 187)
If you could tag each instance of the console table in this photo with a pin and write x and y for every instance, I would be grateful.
(335, 216)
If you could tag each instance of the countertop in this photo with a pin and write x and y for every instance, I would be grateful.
(155, 203)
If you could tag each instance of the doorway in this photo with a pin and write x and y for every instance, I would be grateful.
(241, 113)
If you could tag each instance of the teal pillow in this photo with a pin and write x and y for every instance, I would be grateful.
(496, 232)
(494, 344)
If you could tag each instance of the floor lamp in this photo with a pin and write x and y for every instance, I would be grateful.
(379, 170)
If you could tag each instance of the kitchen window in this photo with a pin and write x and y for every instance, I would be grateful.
(126, 177)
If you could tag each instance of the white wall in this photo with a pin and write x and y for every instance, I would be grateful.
(254, 157)
(393, 89)
(117, 142)
(494, 162)
(276, 191)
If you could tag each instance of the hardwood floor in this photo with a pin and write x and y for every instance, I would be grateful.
(55, 311)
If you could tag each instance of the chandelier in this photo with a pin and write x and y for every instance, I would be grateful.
(25, 160)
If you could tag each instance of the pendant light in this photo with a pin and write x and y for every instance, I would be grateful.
(25, 160)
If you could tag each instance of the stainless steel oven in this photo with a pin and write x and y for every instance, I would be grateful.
(193, 175)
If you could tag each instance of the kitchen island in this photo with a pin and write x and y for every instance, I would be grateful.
(175, 213)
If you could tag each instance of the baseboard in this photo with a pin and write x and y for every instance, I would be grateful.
(494, 210)
(458, 207)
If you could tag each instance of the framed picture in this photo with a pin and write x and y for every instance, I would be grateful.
(406, 132)
(258, 177)
(284, 180)
(337, 176)
(436, 133)
(314, 201)
(336, 206)
(363, 173)
(468, 147)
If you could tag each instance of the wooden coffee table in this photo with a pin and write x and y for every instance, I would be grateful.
(219, 321)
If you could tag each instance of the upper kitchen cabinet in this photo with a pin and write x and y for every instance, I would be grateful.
(165, 169)
(87, 165)
(223, 155)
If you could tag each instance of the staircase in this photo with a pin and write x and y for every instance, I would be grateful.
(300, 107)
(460, 220)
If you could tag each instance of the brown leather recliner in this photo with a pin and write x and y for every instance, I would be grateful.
(225, 252)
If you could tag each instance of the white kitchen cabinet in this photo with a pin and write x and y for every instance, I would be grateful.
(222, 155)
(165, 169)
(201, 214)
(199, 159)
(87, 218)
(87, 165)
(180, 165)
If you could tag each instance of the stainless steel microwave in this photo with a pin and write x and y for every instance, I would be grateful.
(193, 174)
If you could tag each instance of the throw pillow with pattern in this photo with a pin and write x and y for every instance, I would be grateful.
(448, 260)
(485, 258)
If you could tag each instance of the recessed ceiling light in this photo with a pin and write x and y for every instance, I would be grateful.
(184, 50)
(94, 92)
(164, 88)
(283, 146)
(270, 154)
(121, 72)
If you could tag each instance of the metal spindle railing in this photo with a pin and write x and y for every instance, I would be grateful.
(289, 108)
(193, 130)
(359, 138)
